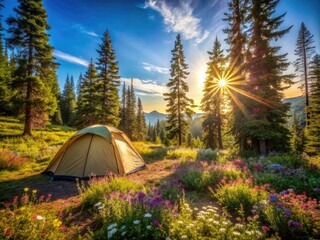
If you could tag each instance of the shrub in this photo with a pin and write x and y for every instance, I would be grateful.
(240, 194)
(150, 152)
(182, 153)
(287, 160)
(100, 187)
(11, 161)
(206, 154)
(22, 219)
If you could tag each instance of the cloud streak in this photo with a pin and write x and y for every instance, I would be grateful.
(152, 68)
(69, 58)
(146, 87)
(83, 30)
(179, 19)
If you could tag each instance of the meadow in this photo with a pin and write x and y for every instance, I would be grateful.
(184, 193)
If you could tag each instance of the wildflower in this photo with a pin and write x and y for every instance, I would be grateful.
(97, 204)
(63, 228)
(39, 217)
(180, 222)
(123, 233)
(112, 226)
(191, 225)
(147, 215)
(41, 198)
(26, 189)
(225, 223)
(123, 227)
(167, 238)
(216, 222)
(216, 215)
(287, 212)
(184, 237)
(148, 227)
(136, 222)
(235, 233)
(111, 232)
(210, 219)
(101, 207)
(201, 217)
(204, 208)
(34, 191)
(265, 228)
(222, 229)
(249, 232)
(196, 209)
(273, 198)
(238, 225)
(56, 223)
(156, 223)
(290, 190)
(49, 195)
(294, 224)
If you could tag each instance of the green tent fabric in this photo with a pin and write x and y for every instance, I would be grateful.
(95, 151)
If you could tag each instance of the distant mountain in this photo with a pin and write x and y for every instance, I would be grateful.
(154, 116)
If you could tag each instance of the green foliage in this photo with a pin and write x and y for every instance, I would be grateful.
(206, 154)
(100, 187)
(178, 104)
(22, 219)
(150, 152)
(130, 113)
(182, 153)
(313, 127)
(239, 195)
(68, 101)
(141, 123)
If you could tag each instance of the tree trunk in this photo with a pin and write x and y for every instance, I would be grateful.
(305, 78)
(219, 126)
(28, 112)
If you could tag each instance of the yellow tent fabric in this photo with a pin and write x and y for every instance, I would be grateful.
(95, 151)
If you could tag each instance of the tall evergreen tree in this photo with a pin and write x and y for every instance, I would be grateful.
(313, 128)
(68, 101)
(28, 32)
(86, 105)
(179, 105)
(304, 52)
(212, 98)
(237, 39)
(78, 86)
(123, 120)
(108, 83)
(141, 123)
(131, 117)
(265, 127)
(5, 75)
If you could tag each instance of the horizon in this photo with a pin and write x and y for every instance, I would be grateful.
(147, 30)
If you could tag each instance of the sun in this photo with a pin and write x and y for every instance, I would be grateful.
(222, 83)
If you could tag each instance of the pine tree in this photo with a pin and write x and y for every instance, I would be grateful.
(141, 123)
(212, 97)
(304, 52)
(265, 126)
(86, 105)
(123, 110)
(68, 101)
(5, 76)
(298, 138)
(28, 32)
(78, 86)
(313, 128)
(237, 39)
(131, 118)
(179, 105)
(108, 83)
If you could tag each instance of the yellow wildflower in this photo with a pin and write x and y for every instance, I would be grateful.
(26, 189)
(34, 191)
(56, 223)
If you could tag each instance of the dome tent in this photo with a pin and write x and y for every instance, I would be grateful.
(95, 150)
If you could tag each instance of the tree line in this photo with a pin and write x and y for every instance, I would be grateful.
(248, 79)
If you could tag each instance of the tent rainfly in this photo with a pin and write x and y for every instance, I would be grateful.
(95, 151)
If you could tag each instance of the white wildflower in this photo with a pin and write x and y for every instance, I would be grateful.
(216, 222)
(204, 208)
(167, 238)
(123, 227)
(222, 229)
(238, 225)
(215, 208)
(235, 233)
(136, 222)
(40, 217)
(98, 204)
(148, 227)
(210, 219)
(111, 232)
(216, 215)
(101, 207)
(201, 217)
(225, 223)
(184, 236)
(112, 226)
(147, 215)
(191, 225)
(180, 222)
(123, 233)
(196, 209)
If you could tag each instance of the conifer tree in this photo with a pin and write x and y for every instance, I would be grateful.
(86, 105)
(304, 52)
(78, 86)
(108, 83)
(212, 97)
(141, 123)
(28, 32)
(313, 128)
(265, 127)
(123, 110)
(5, 76)
(68, 101)
(237, 39)
(131, 118)
(179, 105)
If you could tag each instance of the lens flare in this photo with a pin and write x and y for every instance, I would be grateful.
(222, 83)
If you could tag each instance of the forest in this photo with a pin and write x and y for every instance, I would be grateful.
(245, 167)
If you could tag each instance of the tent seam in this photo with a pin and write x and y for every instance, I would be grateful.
(85, 163)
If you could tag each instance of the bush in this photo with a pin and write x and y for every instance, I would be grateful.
(22, 219)
(182, 153)
(100, 187)
(206, 154)
(150, 152)
(239, 195)
(11, 161)
(288, 160)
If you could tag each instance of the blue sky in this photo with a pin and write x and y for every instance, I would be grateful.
(143, 34)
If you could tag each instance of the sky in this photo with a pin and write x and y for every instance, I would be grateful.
(143, 35)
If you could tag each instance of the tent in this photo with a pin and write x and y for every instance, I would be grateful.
(96, 150)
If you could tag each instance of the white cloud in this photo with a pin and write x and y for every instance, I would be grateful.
(69, 58)
(146, 87)
(83, 30)
(179, 19)
(152, 68)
